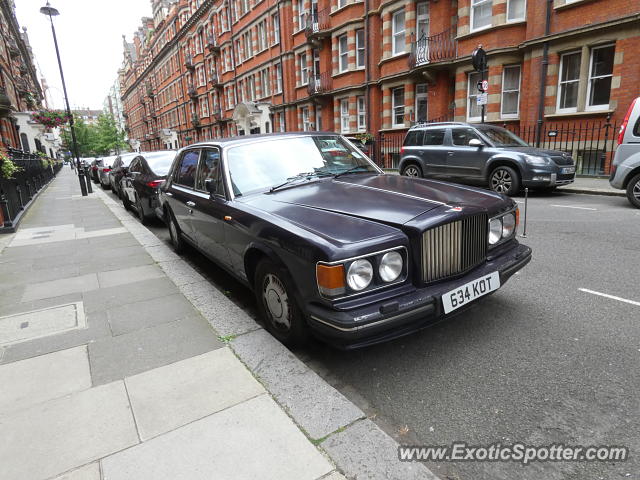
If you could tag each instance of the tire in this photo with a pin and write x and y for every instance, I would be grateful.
(143, 219)
(277, 304)
(633, 191)
(125, 202)
(504, 180)
(105, 186)
(412, 170)
(174, 231)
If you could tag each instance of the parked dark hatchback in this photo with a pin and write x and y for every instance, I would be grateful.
(140, 183)
(484, 155)
(332, 245)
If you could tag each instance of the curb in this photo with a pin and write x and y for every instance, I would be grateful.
(338, 428)
(586, 191)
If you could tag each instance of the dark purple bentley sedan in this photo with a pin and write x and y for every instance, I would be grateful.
(331, 245)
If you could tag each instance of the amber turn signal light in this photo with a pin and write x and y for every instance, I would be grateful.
(517, 217)
(330, 279)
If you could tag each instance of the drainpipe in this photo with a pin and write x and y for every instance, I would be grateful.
(284, 96)
(367, 70)
(543, 74)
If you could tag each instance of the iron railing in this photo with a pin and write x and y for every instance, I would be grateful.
(319, 84)
(318, 21)
(436, 48)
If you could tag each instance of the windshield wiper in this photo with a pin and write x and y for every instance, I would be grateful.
(349, 170)
(300, 176)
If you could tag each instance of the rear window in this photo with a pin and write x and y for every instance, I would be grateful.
(186, 174)
(160, 162)
(434, 137)
(414, 138)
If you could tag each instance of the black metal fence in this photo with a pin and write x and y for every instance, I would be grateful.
(17, 192)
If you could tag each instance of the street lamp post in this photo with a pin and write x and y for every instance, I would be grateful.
(52, 12)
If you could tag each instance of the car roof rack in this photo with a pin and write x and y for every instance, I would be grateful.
(436, 124)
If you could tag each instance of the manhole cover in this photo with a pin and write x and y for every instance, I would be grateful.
(41, 323)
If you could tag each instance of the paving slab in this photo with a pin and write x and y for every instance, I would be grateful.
(315, 405)
(124, 276)
(29, 382)
(365, 451)
(252, 440)
(135, 292)
(113, 358)
(169, 397)
(88, 472)
(54, 437)
(55, 288)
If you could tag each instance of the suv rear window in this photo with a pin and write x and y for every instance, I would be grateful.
(413, 138)
(434, 137)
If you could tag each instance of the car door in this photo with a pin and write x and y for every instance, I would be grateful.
(135, 169)
(434, 152)
(463, 160)
(210, 208)
(181, 193)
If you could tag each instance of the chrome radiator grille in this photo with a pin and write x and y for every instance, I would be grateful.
(453, 248)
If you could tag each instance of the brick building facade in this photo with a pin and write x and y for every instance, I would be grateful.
(205, 68)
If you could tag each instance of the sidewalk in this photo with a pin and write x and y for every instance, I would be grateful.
(593, 186)
(119, 361)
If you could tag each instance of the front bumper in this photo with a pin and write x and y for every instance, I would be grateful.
(407, 313)
(548, 177)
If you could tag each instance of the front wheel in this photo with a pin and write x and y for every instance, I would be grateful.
(174, 231)
(140, 211)
(412, 170)
(504, 180)
(278, 307)
(633, 191)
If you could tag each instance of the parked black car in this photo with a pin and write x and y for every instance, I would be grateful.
(118, 170)
(332, 245)
(140, 183)
(484, 155)
(94, 166)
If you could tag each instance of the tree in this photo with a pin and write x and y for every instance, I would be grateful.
(108, 138)
(85, 136)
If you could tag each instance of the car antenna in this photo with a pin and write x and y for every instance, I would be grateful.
(526, 200)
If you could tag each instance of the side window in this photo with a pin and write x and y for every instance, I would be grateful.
(462, 136)
(209, 168)
(186, 173)
(434, 137)
(414, 138)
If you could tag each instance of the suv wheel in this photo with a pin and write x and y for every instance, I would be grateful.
(278, 307)
(412, 170)
(633, 191)
(504, 180)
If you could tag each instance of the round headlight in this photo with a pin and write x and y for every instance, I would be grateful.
(390, 266)
(359, 275)
(495, 231)
(508, 225)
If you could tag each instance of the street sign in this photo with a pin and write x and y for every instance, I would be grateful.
(485, 85)
(482, 99)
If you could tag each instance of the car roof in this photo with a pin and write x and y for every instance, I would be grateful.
(229, 141)
(441, 124)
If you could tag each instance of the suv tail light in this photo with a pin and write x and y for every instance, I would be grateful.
(94, 168)
(401, 150)
(155, 183)
(625, 122)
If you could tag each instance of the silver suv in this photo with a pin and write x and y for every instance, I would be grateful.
(625, 171)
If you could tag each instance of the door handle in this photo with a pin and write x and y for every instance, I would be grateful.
(190, 204)
(190, 211)
(450, 153)
(169, 194)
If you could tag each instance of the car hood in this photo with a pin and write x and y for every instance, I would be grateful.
(388, 199)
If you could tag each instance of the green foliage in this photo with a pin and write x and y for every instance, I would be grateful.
(102, 138)
(7, 168)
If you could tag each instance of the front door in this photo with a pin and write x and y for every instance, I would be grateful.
(180, 194)
(463, 160)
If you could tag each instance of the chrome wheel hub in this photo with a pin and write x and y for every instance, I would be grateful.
(501, 181)
(276, 300)
(411, 172)
(636, 190)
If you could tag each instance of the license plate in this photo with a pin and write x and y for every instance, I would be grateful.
(567, 170)
(468, 292)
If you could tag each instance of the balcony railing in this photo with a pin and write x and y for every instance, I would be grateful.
(216, 114)
(188, 62)
(191, 90)
(212, 44)
(318, 23)
(195, 121)
(214, 79)
(319, 84)
(436, 48)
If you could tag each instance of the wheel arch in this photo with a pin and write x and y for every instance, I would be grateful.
(630, 175)
(503, 162)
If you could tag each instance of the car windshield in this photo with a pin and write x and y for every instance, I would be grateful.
(160, 162)
(265, 164)
(501, 137)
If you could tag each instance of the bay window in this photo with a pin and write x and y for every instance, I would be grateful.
(398, 33)
(481, 14)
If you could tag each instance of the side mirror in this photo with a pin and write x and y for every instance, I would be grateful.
(210, 186)
(474, 142)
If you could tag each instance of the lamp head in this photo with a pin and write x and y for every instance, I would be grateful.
(49, 10)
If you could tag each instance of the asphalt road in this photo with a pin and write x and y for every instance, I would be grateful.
(540, 362)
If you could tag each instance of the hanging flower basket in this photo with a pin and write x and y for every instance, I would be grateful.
(51, 118)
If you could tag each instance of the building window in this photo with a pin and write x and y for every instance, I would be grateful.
(474, 111)
(510, 91)
(343, 54)
(421, 102)
(397, 106)
(306, 122)
(301, 15)
(600, 76)
(342, 3)
(398, 33)
(481, 14)
(262, 35)
(204, 103)
(251, 86)
(281, 121)
(516, 10)
(569, 82)
(304, 69)
(264, 83)
(422, 29)
(276, 28)
(360, 48)
(344, 115)
(362, 114)
(278, 68)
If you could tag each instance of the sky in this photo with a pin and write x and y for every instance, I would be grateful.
(90, 39)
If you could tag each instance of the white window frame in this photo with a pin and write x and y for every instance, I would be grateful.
(360, 46)
(560, 84)
(204, 106)
(275, 22)
(395, 107)
(344, 115)
(479, 3)
(306, 121)
(517, 19)
(278, 74)
(281, 121)
(517, 114)
(302, 16)
(418, 96)
(471, 97)
(343, 53)
(396, 35)
(362, 113)
(595, 108)
(264, 83)
(304, 69)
